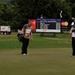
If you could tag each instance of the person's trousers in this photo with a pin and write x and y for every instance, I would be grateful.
(73, 45)
(25, 45)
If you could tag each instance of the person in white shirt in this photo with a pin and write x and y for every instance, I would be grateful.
(27, 35)
(72, 34)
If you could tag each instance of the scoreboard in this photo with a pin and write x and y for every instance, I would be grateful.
(48, 25)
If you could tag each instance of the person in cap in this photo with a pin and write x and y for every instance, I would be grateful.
(72, 34)
(27, 35)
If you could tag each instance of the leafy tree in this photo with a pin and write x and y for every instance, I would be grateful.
(5, 13)
(21, 10)
(72, 4)
(67, 10)
(34, 8)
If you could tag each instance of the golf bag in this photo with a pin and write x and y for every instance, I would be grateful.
(20, 36)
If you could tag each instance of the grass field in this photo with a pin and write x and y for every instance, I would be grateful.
(48, 56)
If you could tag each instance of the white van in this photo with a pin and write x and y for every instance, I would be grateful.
(5, 30)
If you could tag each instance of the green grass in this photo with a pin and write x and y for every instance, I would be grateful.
(48, 56)
(48, 41)
(49, 61)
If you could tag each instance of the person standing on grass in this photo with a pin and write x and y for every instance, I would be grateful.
(72, 34)
(27, 35)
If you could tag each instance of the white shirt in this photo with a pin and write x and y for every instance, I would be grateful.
(28, 33)
(71, 31)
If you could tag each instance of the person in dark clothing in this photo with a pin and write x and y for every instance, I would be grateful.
(27, 35)
(72, 34)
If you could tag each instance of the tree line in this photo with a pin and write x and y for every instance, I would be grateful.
(17, 12)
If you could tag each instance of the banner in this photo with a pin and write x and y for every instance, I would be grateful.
(33, 24)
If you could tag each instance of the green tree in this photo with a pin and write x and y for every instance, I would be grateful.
(25, 9)
(67, 10)
(5, 13)
(72, 4)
